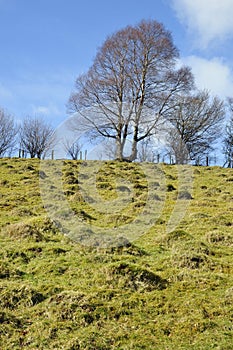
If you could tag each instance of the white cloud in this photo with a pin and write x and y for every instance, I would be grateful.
(212, 74)
(49, 110)
(207, 20)
(33, 94)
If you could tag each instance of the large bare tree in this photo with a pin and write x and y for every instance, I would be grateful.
(36, 136)
(196, 124)
(8, 132)
(131, 84)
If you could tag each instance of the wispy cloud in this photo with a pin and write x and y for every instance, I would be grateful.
(45, 110)
(207, 20)
(212, 74)
(44, 95)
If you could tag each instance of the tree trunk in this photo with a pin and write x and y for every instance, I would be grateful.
(119, 150)
(134, 151)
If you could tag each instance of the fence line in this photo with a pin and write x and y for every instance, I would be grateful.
(167, 158)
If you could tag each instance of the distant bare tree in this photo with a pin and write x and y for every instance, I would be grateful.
(8, 133)
(36, 136)
(196, 124)
(130, 85)
(230, 103)
(107, 150)
(146, 152)
(228, 139)
(177, 147)
(72, 148)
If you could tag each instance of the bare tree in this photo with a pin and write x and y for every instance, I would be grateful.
(196, 125)
(73, 149)
(228, 139)
(8, 132)
(106, 150)
(36, 136)
(228, 144)
(177, 147)
(230, 104)
(146, 153)
(131, 84)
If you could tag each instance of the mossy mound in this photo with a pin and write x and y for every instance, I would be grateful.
(191, 254)
(24, 231)
(135, 277)
(20, 296)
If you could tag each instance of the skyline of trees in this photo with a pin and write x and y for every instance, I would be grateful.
(147, 151)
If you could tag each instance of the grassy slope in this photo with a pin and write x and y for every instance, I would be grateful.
(163, 291)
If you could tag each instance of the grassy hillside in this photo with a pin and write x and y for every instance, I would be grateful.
(165, 290)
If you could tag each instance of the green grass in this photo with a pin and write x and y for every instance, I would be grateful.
(165, 290)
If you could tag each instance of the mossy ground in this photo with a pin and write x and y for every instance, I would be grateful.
(166, 290)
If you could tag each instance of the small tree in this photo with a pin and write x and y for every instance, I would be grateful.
(146, 153)
(36, 136)
(196, 125)
(177, 147)
(228, 144)
(107, 150)
(228, 139)
(72, 148)
(8, 133)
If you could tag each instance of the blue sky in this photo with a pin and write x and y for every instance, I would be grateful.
(46, 44)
